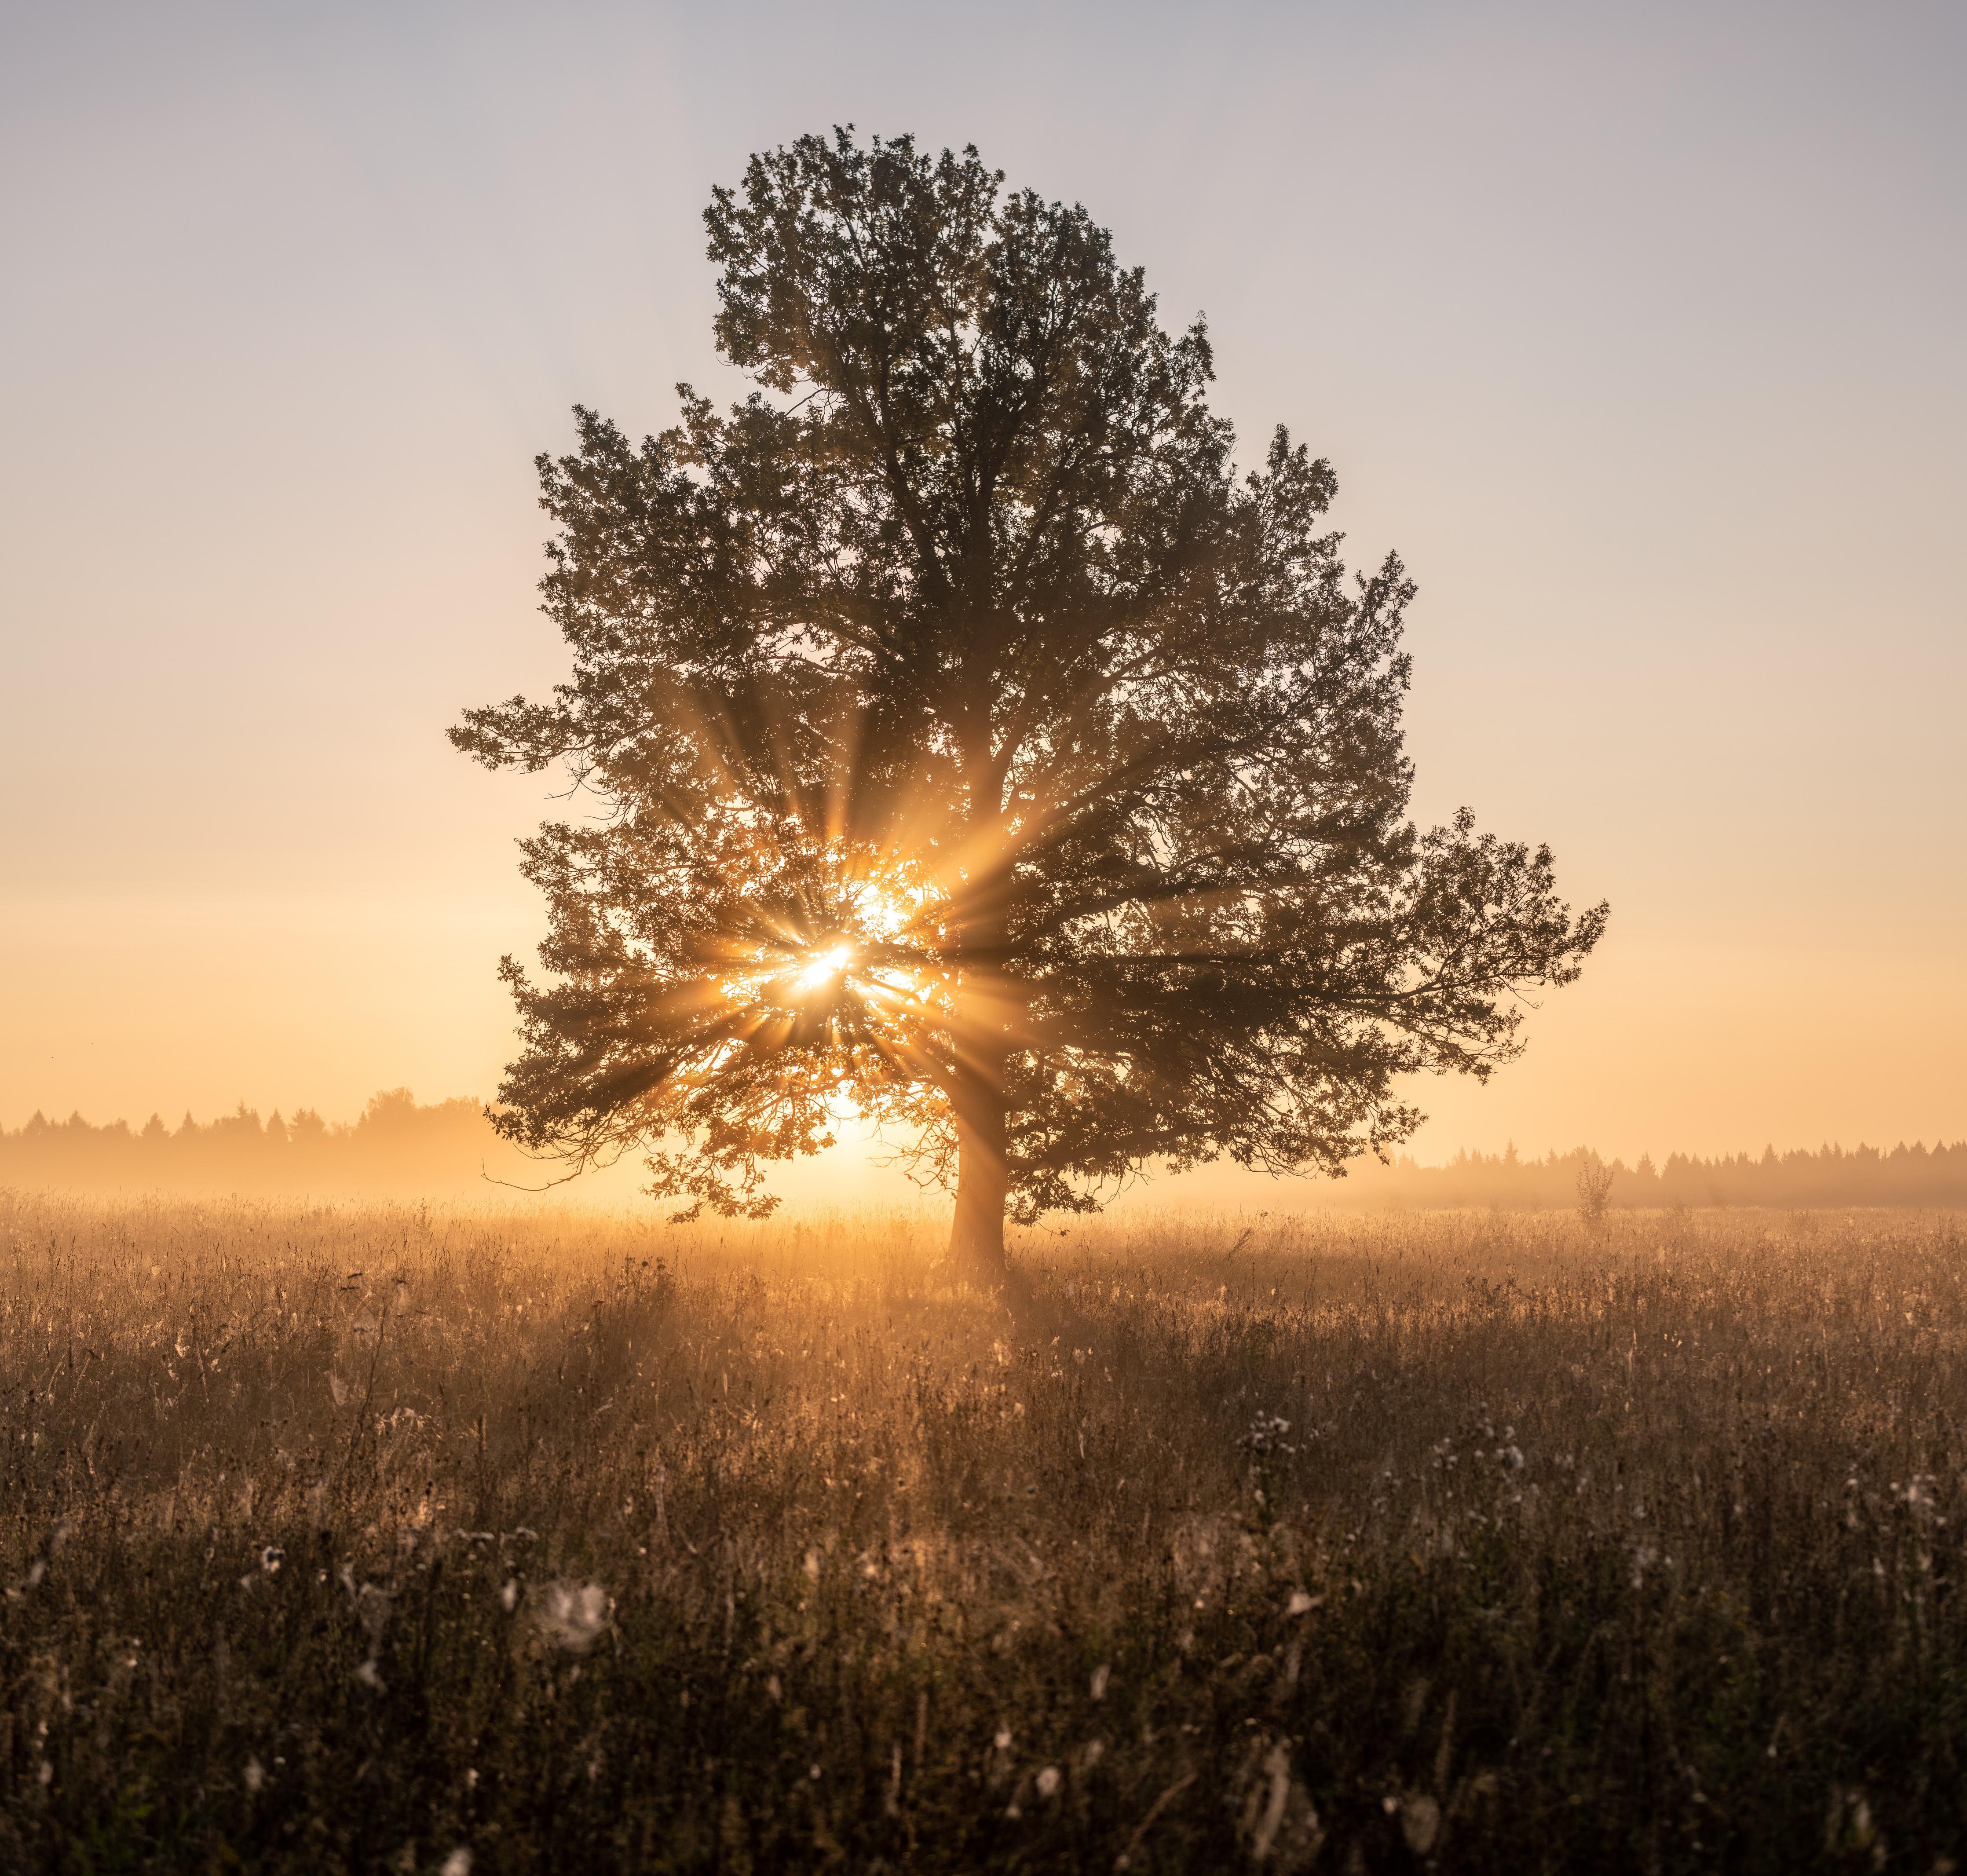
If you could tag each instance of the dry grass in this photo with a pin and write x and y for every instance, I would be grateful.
(350, 1541)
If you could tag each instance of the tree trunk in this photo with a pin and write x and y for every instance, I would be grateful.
(981, 1049)
(982, 1174)
(977, 1233)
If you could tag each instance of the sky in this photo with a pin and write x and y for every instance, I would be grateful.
(1635, 330)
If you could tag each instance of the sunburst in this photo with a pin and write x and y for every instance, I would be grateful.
(825, 968)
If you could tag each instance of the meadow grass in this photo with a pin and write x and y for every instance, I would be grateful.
(347, 1539)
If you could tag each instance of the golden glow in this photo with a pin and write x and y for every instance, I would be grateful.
(827, 965)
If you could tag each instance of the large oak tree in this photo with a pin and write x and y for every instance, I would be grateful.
(974, 745)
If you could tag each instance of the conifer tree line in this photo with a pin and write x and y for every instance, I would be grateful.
(398, 1146)
(1832, 1176)
(401, 1147)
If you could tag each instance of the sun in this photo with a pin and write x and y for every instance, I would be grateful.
(866, 941)
(825, 967)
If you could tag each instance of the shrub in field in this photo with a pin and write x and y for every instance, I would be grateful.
(365, 1540)
(1595, 1190)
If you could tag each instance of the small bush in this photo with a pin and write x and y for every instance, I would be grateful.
(1595, 1190)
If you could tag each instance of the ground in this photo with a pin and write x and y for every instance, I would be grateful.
(347, 1539)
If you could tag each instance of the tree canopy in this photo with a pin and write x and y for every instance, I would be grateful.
(978, 746)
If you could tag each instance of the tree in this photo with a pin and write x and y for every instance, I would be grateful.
(977, 746)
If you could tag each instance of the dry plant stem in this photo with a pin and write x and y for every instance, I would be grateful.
(1468, 1540)
(361, 1419)
(1126, 1859)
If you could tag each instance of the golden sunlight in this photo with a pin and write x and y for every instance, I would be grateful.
(823, 967)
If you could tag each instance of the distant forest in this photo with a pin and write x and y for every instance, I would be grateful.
(1932, 1176)
(401, 1147)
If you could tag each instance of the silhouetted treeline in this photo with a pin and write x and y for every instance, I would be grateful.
(397, 1146)
(1917, 1175)
(401, 1147)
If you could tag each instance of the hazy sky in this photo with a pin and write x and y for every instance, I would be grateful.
(1636, 329)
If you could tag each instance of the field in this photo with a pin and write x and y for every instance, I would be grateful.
(347, 1540)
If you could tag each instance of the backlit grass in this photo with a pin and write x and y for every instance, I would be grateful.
(349, 1540)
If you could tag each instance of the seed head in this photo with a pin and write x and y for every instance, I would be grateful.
(572, 1615)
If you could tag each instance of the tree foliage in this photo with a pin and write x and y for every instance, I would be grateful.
(978, 745)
